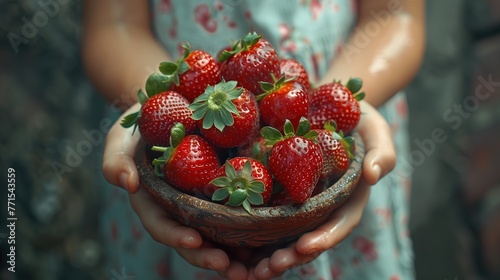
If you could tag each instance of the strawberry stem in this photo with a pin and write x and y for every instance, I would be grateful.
(273, 135)
(215, 106)
(242, 45)
(240, 186)
(269, 88)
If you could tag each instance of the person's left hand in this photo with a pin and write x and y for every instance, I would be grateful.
(379, 159)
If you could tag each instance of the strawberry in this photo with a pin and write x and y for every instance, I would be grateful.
(283, 197)
(157, 116)
(334, 101)
(283, 99)
(192, 72)
(251, 60)
(245, 181)
(229, 114)
(292, 68)
(336, 150)
(295, 159)
(189, 163)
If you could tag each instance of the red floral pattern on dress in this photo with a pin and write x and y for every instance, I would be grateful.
(316, 8)
(165, 6)
(366, 247)
(385, 214)
(203, 16)
(163, 268)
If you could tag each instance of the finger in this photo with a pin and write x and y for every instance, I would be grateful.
(343, 220)
(262, 270)
(236, 270)
(207, 258)
(380, 156)
(160, 225)
(118, 160)
(281, 261)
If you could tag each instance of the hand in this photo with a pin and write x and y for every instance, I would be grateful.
(119, 169)
(380, 158)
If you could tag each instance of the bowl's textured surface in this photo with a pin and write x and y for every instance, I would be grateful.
(265, 226)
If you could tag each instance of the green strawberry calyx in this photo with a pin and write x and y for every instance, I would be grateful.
(273, 135)
(354, 85)
(178, 132)
(242, 45)
(239, 186)
(133, 118)
(347, 141)
(174, 69)
(215, 106)
(277, 84)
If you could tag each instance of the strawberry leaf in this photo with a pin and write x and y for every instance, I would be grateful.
(131, 120)
(330, 125)
(225, 55)
(177, 133)
(182, 67)
(141, 96)
(257, 187)
(230, 172)
(303, 127)
(354, 85)
(157, 83)
(359, 96)
(220, 194)
(288, 128)
(255, 198)
(271, 134)
(168, 68)
(249, 40)
(221, 181)
(246, 205)
(237, 197)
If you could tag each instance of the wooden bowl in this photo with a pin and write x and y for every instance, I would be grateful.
(264, 226)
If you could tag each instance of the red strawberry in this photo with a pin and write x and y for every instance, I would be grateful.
(334, 101)
(336, 151)
(283, 197)
(295, 159)
(189, 163)
(192, 72)
(245, 181)
(158, 115)
(252, 60)
(230, 115)
(283, 99)
(292, 68)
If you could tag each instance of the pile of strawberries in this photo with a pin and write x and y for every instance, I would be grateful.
(246, 129)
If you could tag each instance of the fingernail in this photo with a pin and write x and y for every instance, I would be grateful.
(377, 170)
(124, 180)
(187, 242)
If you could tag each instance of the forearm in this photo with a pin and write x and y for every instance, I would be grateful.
(386, 60)
(119, 54)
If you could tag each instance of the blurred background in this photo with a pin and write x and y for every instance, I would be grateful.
(54, 123)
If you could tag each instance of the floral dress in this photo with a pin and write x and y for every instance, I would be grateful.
(313, 32)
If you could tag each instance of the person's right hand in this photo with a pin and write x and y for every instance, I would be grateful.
(119, 169)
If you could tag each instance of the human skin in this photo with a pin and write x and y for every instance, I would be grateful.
(120, 51)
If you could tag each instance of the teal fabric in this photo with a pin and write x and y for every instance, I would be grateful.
(313, 32)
